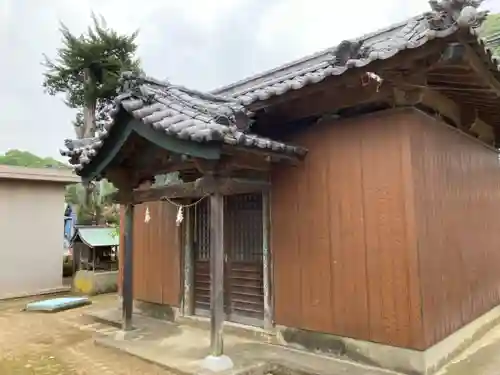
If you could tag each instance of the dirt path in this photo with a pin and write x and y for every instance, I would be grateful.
(60, 344)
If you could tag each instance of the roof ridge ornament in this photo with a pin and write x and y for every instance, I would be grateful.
(444, 15)
(345, 51)
(447, 13)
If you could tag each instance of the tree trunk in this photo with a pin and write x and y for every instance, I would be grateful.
(89, 115)
(88, 131)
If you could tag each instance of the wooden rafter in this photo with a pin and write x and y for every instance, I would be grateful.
(483, 130)
(412, 96)
(329, 101)
(481, 69)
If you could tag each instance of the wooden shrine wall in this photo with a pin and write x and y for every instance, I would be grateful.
(457, 203)
(387, 232)
(157, 254)
(342, 236)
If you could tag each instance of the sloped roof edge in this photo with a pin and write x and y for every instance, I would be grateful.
(444, 19)
(180, 113)
(323, 55)
(97, 236)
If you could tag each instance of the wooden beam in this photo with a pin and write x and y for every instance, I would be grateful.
(330, 101)
(149, 161)
(128, 270)
(442, 104)
(442, 72)
(412, 96)
(243, 160)
(438, 80)
(152, 170)
(276, 156)
(481, 68)
(216, 274)
(206, 166)
(483, 130)
(199, 188)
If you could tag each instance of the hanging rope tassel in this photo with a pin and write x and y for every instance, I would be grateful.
(180, 208)
(180, 216)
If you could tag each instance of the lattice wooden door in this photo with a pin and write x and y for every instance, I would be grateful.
(243, 286)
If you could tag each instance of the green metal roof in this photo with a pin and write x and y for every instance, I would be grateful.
(96, 236)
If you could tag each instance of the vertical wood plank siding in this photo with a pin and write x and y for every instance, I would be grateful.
(457, 192)
(387, 232)
(341, 231)
(157, 251)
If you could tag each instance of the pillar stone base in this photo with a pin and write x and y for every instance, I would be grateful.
(126, 335)
(217, 363)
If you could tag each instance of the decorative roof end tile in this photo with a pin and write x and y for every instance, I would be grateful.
(447, 13)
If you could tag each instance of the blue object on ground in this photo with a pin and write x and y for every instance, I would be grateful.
(58, 304)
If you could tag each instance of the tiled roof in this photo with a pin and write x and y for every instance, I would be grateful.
(200, 117)
(444, 19)
(179, 112)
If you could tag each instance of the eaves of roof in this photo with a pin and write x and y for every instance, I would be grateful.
(380, 45)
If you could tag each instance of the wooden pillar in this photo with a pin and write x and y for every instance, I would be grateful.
(188, 300)
(266, 262)
(216, 273)
(128, 270)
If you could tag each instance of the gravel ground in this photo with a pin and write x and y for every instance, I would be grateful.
(61, 343)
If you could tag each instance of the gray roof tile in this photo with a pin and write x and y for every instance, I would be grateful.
(179, 112)
(444, 19)
(204, 117)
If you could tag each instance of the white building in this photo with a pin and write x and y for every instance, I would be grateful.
(31, 229)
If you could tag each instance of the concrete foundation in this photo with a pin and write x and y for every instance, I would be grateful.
(183, 349)
(403, 360)
(92, 283)
(156, 310)
(407, 361)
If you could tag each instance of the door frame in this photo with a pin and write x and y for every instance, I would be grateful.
(188, 303)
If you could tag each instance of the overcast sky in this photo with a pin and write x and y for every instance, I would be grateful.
(198, 43)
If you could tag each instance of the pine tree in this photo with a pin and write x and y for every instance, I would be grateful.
(87, 69)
